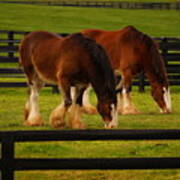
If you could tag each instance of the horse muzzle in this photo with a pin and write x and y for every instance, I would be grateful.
(166, 111)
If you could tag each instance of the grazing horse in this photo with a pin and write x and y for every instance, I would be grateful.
(132, 52)
(74, 61)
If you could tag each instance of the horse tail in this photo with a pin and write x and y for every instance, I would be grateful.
(25, 59)
(20, 49)
(100, 60)
(23, 51)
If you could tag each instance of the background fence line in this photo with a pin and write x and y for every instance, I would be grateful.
(104, 4)
(9, 42)
(9, 164)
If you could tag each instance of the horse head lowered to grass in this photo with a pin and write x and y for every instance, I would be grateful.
(73, 61)
(132, 52)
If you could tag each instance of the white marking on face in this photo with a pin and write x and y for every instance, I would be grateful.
(114, 115)
(167, 98)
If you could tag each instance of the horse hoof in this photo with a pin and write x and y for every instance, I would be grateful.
(57, 123)
(110, 126)
(78, 125)
(130, 111)
(166, 112)
(119, 111)
(89, 110)
(27, 123)
(34, 121)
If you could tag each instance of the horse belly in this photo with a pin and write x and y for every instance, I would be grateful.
(46, 71)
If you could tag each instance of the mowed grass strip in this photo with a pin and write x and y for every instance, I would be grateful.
(12, 103)
(72, 19)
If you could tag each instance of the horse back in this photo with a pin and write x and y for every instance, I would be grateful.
(127, 47)
(37, 43)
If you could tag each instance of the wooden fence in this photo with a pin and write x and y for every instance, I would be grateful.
(104, 4)
(9, 69)
(9, 164)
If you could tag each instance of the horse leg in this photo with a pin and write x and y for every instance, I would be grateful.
(27, 107)
(127, 105)
(75, 111)
(31, 113)
(57, 117)
(87, 106)
(119, 97)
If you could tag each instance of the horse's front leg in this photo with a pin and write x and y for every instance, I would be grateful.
(119, 96)
(125, 102)
(87, 106)
(75, 111)
(57, 117)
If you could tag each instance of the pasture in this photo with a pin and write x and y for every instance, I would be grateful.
(11, 118)
(60, 19)
(12, 103)
(72, 19)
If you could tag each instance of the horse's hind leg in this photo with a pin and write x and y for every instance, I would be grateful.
(87, 107)
(32, 114)
(75, 111)
(127, 107)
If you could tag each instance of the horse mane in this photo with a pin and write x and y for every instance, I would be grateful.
(100, 60)
(156, 60)
(158, 65)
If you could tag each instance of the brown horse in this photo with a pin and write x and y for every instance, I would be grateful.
(132, 52)
(74, 61)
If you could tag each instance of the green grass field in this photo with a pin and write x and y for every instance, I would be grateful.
(12, 100)
(71, 19)
(12, 103)
(11, 118)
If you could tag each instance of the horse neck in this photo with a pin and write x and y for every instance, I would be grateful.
(103, 92)
(157, 75)
(99, 89)
(156, 70)
(157, 81)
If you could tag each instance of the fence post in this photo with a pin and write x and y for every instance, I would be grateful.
(55, 89)
(142, 82)
(7, 157)
(10, 43)
(164, 50)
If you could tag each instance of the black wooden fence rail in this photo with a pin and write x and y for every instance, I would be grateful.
(9, 164)
(9, 41)
(103, 4)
